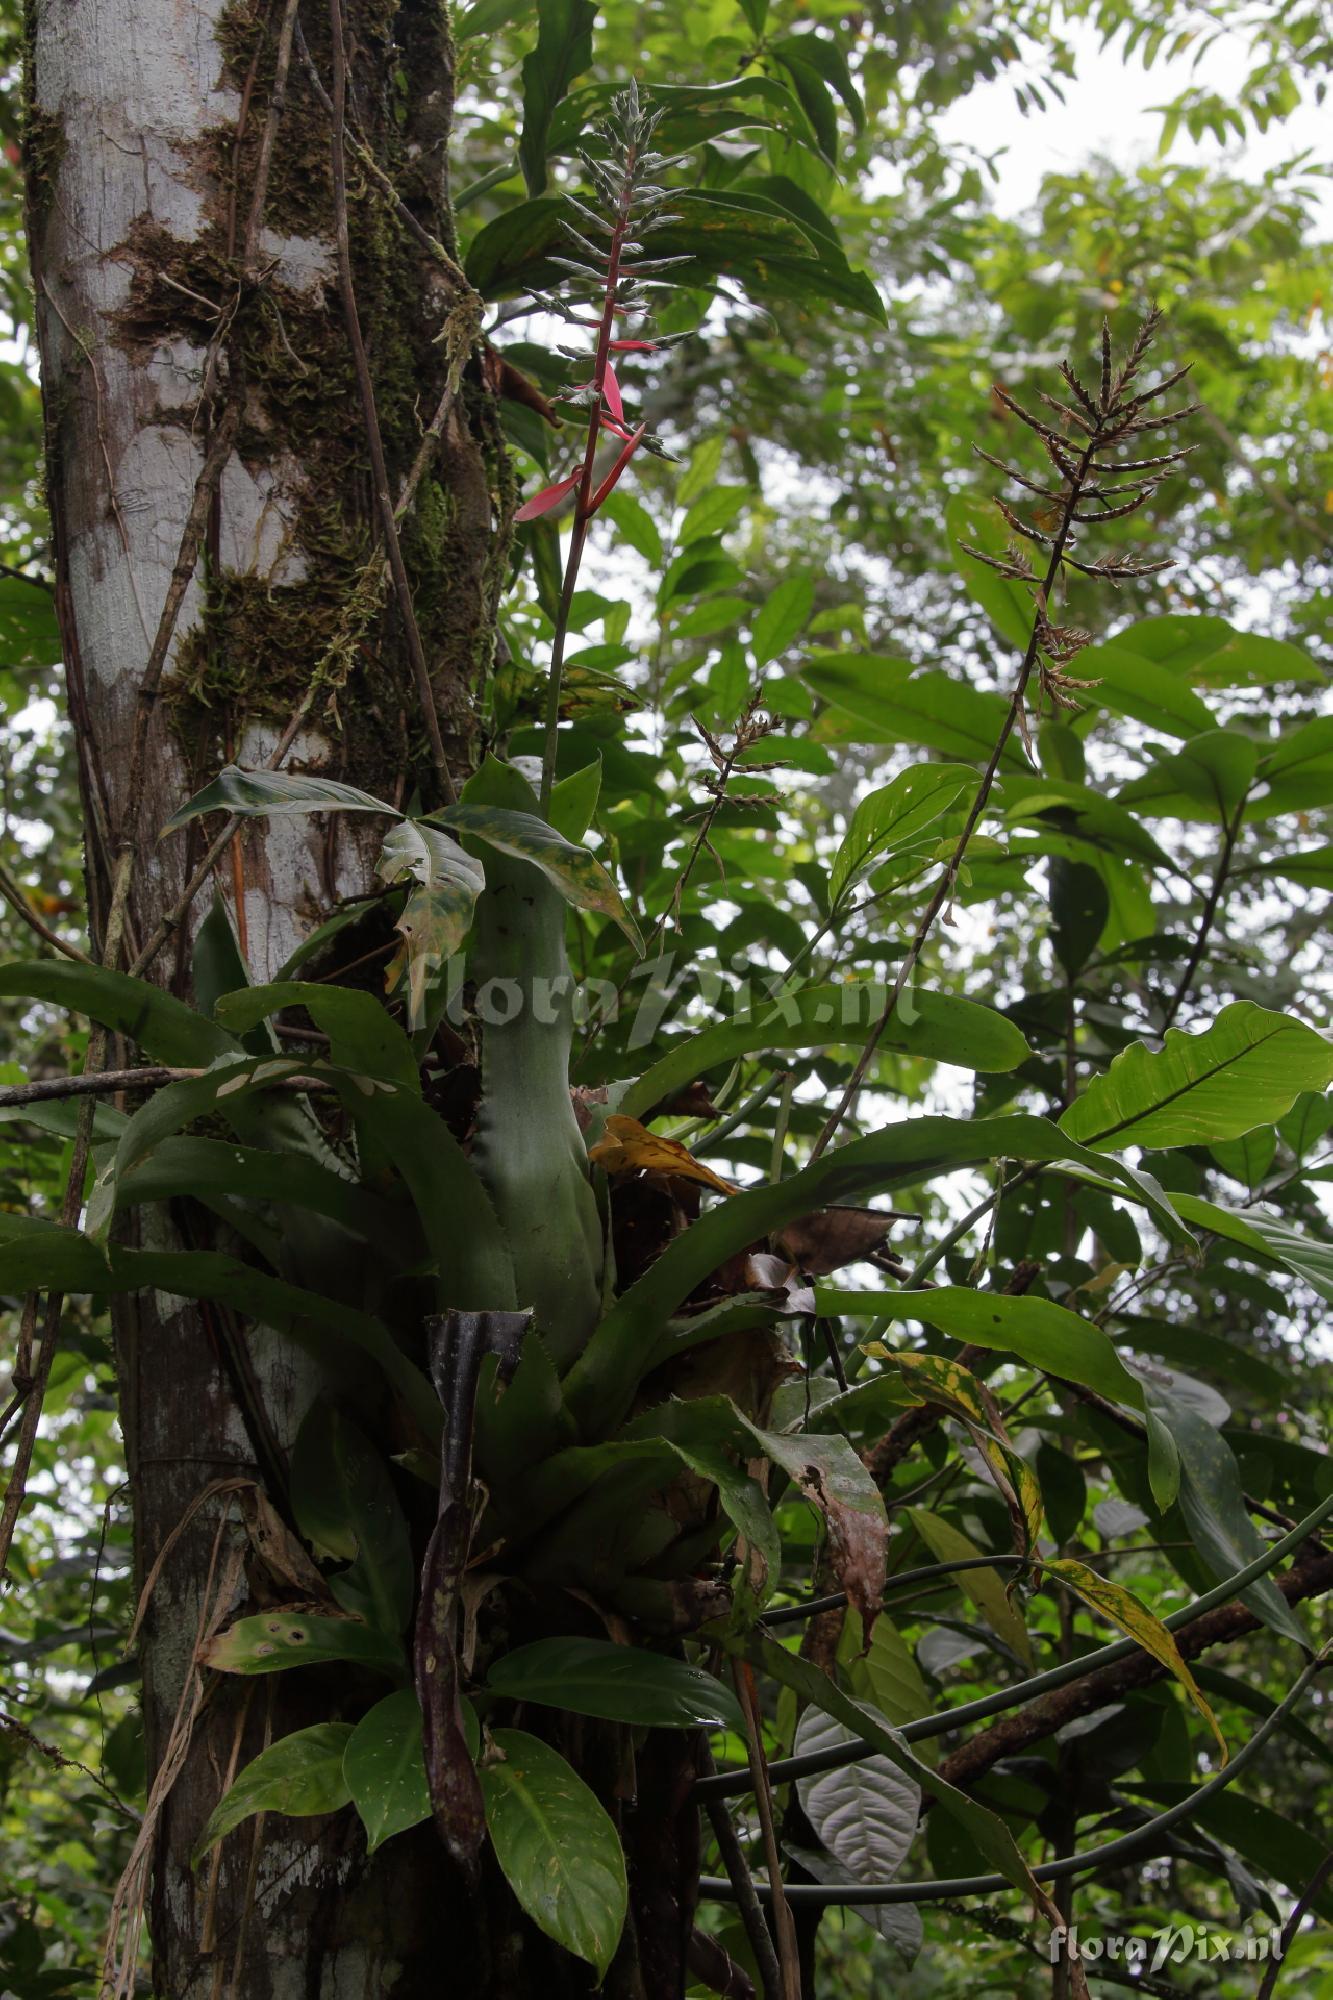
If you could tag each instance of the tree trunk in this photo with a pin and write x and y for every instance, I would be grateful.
(180, 338)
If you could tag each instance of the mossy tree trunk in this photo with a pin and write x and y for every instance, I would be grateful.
(187, 332)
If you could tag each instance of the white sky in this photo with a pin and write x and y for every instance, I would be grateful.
(1107, 109)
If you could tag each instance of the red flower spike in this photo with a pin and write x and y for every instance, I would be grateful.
(635, 346)
(611, 391)
(616, 430)
(614, 474)
(550, 496)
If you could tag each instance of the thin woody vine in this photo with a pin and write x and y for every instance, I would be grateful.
(535, 1515)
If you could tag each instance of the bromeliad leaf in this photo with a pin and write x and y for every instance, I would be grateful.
(345, 1506)
(617, 1683)
(1123, 1609)
(1246, 1070)
(300, 1775)
(163, 1027)
(942, 1028)
(578, 875)
(384, 1768)
(271, 794)
(559, 1849)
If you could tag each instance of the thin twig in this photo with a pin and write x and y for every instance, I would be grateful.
(738, 1874)
(370, 414)
(788, 1953)
(1293, 1924)
(18, 902)
(1207, 916)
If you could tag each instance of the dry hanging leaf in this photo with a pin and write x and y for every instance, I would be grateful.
(628, 1145)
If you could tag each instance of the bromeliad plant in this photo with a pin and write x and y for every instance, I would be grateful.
(562, 1406)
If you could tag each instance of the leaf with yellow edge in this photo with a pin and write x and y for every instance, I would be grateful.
(935, 1379)
(627, 1144)
(1137, 1623)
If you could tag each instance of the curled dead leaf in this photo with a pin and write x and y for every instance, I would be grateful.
(629, 1145)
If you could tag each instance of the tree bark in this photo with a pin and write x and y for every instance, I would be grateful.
(169, 321)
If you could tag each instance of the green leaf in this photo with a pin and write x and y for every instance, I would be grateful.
(345, 1505)
(865, 1813)
(940, 1028)
(269, 794)
(1213, 1505)
(300, 1776)
(68, 1261)
(1080, 813)
(712, 513)
(984, 1586)
(1044, 1335)
(1006, 600)
(438, 913)
(635, 523)
(272, 1641)
(825, 57)
(574, 800)
(1208, 779)
(558, 1848)
(164, 1028)
(486, 16)
(894, 815)
(617, 1683)
(563, 51)
(209, 1169)
(1080, 905)
(891, 1675)
(806, 1680)
(1130, 685)
(384, 1768)
(874, 700)
(1244, 1071)
(363, 1035)
(579, 877)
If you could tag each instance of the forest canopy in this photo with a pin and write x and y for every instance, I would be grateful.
(663, 890)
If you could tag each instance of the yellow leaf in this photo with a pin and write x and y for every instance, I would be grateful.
(938, 1380)
(628, 1145)
(1137, 1623)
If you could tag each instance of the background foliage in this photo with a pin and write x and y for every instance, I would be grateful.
(848, 300)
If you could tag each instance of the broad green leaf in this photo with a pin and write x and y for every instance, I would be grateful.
(825, 56)
(1298, 773)
(1279, 1848)
(1213, 1505)
(209, 1169)
(1129, 684)
(745, 1504)
(574, 800)
(702, 470)
(484, 17)
(271, 1641)
(989, 1833)
(163, 1027)
(939, 1027)
(891, 1675)
(558, 1847)
(563, 51)
(1245, 1070)
(269, 794)
(1138, 1623)
(984, 1586)
(300, 1775)
(1207, 779)
(875, 700)
(782, 617)
(1080, 905)
(712, 513)
(1082, 814)
(636, 525)
(1045, 1335)
(618, 1683)
(384, 1768)
(1311, 867)
(579, 877)
(363, 1035)
(865, 1812)
(894, 815)
(345, 1505)
(1006, 601)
